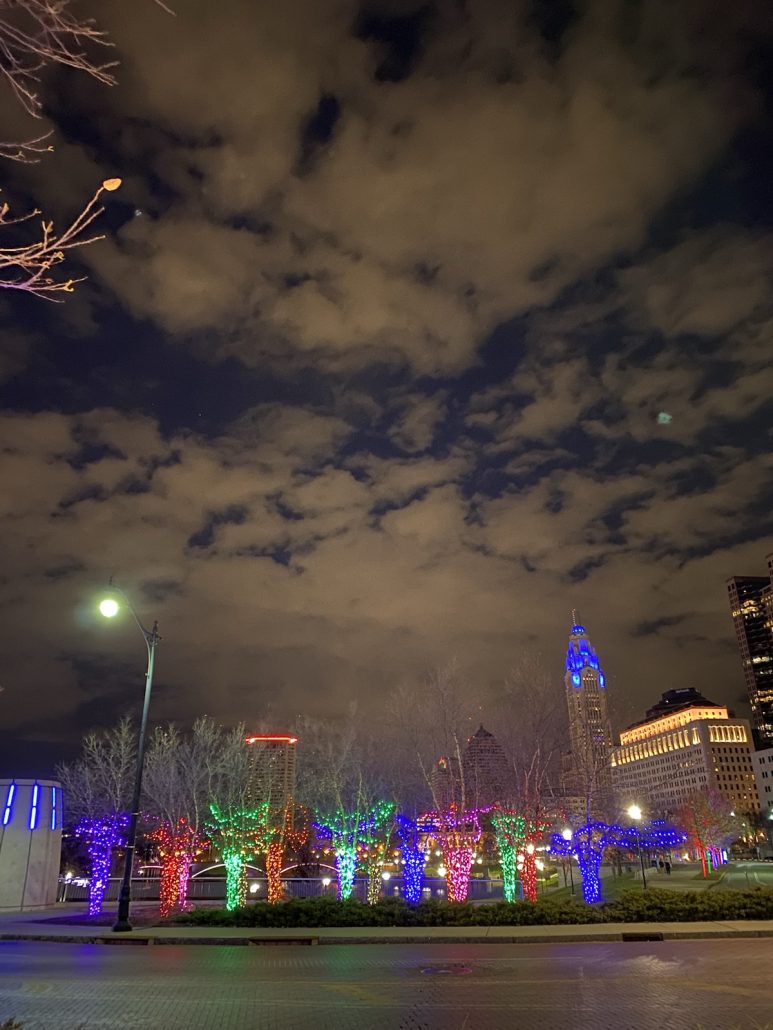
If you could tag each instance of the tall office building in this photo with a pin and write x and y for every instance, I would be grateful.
(751, 604)
(488, 777)
(685, 745)
(272, 768)
(586, 769)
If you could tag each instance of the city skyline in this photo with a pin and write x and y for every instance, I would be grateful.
(414, 327)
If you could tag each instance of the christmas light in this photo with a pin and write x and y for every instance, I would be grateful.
(274, 856)
(238, 834)
(101, 836)
(353, 831)
(413, 857)
(590, 841)
(510, 834)
(34, 807)
(458, 834)
(178, 847)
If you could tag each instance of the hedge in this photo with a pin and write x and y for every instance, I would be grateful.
(630, 907)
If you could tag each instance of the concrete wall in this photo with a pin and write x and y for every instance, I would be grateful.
(30, 843)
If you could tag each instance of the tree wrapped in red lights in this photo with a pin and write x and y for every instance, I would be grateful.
(710, 826)
(182, 774)
(288, 827)
(97, 790)
(178, 846)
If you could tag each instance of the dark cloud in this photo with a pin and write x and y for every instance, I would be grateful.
(373, 378)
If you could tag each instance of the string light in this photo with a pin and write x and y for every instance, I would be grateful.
(413, 857)
(510, 834)
(238, 834)
(178, 847)
(458, 835)
(100, 837)
(350, 831)
(590, 841)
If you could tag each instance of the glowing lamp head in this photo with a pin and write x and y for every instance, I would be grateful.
(567, 834)
(386, 875)
(634, 812)
(108, 607)
(325, 881)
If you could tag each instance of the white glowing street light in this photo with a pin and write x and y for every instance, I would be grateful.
(567, 834)
(634, 812)
(109, 607)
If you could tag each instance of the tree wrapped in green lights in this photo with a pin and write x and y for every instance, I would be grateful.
(510, 834)
(349, 830)
(238, 835)
(373, 845)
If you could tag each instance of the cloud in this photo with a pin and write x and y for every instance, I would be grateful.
(477, 187)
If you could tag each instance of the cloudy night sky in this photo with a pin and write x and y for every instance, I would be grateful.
(368, 371)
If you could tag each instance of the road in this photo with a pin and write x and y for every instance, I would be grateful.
(689, 985)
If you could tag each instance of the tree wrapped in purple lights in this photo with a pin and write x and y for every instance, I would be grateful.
(100, 837)
(410, 833)
(97, 792)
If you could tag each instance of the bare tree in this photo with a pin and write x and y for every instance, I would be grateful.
(710, 826)
(181, 776)
(97, 789)
(36, 35)
(531, 729)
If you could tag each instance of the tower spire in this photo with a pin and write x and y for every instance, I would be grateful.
(574, 617)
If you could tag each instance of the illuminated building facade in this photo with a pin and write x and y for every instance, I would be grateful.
(272, 768)
(685, 745)
(751, 605)
(586, 769)
(487, 777)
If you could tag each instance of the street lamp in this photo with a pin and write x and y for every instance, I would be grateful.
(109, 608)
(634, 813)
(567, 835)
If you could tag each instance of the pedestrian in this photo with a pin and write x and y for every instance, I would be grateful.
(660, 865)
(668, 867)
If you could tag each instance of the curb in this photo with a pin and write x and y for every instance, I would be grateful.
(304, 941)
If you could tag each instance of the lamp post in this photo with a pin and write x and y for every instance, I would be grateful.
(109, 608)
(567, 835)
(634, 813)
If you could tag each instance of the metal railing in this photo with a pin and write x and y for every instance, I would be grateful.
(212, 888)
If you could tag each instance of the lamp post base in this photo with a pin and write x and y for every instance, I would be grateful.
(122, 926)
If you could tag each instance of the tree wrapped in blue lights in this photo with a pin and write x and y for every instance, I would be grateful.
(588, 844)
(410, 833)
(101, 836)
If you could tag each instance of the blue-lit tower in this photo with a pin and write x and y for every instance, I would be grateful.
(587, 771)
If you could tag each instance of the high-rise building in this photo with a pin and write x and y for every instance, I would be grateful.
(487, 774)
(586, 769)
(685, 745)
(272, 768)
(751, 604)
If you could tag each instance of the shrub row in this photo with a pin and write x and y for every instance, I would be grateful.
(631, 907)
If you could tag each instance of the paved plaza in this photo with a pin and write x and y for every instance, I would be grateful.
(700, 985)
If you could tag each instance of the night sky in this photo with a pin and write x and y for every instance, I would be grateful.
(368, 370)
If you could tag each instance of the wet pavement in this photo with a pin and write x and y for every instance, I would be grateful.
(700, 985)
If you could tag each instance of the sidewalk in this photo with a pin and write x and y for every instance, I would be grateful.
(27, 926)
